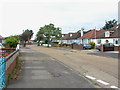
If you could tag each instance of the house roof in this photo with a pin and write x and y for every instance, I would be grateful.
(93, 34)
(70, 36)
(114, 32)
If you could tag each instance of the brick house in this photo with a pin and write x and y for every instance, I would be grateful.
(91, 36)
(111, 35)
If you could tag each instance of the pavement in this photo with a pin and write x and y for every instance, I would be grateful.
(43, 71)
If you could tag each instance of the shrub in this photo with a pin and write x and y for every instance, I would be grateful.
(55, 42)
(12, 41)
(92, 44)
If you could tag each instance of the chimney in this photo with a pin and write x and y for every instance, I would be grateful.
(82, 31)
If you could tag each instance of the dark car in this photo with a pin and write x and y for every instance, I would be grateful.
(87, 46)
(105, 44)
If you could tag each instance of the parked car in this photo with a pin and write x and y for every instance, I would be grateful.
(87, 46)
(105, 44)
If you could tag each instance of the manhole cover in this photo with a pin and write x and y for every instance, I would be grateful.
(56, 74)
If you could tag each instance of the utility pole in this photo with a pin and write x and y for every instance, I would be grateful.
(95, 38)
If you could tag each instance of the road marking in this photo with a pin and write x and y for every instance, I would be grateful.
(52, 59)
(113, 87)
(90, 77)
(102, 82)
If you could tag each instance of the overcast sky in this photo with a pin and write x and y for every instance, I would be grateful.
(70, 15)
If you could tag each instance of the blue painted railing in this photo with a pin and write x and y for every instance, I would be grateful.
(2, 73)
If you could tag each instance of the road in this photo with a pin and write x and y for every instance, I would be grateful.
(101, 68)
(43, 71)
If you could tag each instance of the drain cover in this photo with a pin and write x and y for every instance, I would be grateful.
(56, 74)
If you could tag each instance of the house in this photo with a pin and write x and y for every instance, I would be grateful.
(91, 36)
(70, 38)
(58, 40)
(2, 39)
(111, 35)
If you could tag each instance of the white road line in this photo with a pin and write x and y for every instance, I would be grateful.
(90, 77)
(102, 82)
(113, 87)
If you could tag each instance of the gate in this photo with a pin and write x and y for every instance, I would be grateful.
(2, 73)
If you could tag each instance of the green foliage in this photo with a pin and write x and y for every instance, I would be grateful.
(110, 24)
(39, 35)
(26, 35)
(92, 44)
(55, 42)
(45, 42)
(12, 41)
(49, 32)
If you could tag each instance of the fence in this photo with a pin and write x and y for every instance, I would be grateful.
(7, 64)
(2, 72)
(71, 46)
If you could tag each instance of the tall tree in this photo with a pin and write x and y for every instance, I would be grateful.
(110, 24)
(50, 32)
(40, 35)
(26, 36)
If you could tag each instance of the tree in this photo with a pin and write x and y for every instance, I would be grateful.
(110, 24)
(12, 41)
(50, 32)
(26, 36)
(40, 35)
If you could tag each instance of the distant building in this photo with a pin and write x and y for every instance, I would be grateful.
(2, 39)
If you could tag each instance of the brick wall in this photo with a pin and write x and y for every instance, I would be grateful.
(79, 47)
(11, 62)
(103, 48)
(116, 48)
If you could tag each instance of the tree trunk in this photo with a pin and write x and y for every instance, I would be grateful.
(38, 43)
(24, 44)
(48, 42)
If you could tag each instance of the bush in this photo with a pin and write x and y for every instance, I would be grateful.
(12, 41)
(92, 44)
(55, 42)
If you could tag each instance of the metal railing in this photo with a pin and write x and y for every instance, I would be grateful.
(2, 73)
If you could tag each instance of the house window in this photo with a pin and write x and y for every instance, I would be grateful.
(70, 35)
(116, 41)
(107, 34)
(99, 41)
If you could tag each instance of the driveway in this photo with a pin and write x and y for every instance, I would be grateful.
(43, 71)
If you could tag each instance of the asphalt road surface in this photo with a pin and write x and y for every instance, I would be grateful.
(43, 71)
(101, 68)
